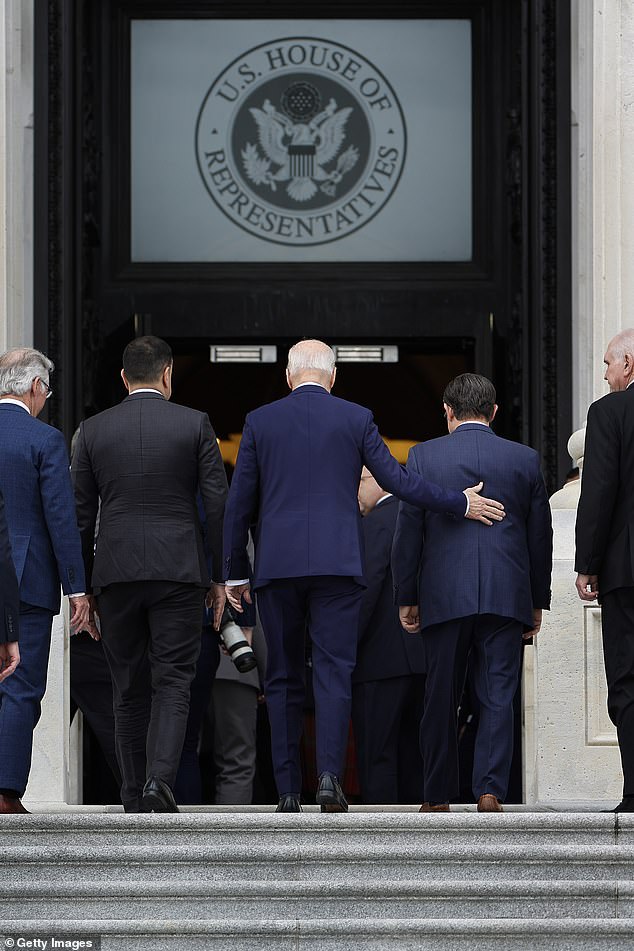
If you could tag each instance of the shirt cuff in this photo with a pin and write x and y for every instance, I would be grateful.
(77, 594)
(234, 584)
(466, 511)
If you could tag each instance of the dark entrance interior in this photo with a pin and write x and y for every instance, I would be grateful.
(405, 397)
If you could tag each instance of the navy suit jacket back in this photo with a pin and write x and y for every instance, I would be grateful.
(40, 508)
(298, 472)
(462, 568)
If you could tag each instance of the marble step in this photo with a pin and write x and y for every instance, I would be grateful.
(284, 901)
(353, 830)
(326, 934)
(248, 858)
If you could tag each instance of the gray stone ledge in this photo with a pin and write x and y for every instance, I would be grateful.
(330, 889)
(244, 821)
(319, 926)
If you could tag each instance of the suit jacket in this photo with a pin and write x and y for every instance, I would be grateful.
(605, 516)
(458, 569)
(385, 650)
(298, 470)
(40, 509)
(9, 593)
(145, 460)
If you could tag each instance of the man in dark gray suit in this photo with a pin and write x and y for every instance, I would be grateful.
(144, 461)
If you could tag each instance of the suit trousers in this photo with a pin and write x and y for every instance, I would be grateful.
(151, 633)
(188, 787)
(235, 730)
(386, 717)
(91, 692)
(492, 646)
(329, 606)
(20, 698)
(617, 609)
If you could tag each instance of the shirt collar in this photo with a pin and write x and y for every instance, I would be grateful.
(9, 399)
(310, 383)
(146, 389)
(472, 422)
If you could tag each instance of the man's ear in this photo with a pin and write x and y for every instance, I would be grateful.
(628, 364)
(125, 380)
(288, 379)
(333, 377)
(495, 409)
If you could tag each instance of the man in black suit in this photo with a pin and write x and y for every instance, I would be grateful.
(605, 527)
(388, 683)
(9, 603)
(145, 460)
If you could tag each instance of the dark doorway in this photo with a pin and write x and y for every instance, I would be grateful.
(405, 397)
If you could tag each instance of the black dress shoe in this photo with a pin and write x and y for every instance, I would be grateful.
(289, 803)
(330, 794)
(158, 797)
(626, 805)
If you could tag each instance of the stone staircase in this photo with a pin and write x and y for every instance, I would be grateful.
(257, 880)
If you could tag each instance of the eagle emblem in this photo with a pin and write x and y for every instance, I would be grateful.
(299, 143)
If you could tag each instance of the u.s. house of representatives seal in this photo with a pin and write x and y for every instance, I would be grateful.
(301, 141)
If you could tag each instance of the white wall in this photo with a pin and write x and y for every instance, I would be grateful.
(16, 173)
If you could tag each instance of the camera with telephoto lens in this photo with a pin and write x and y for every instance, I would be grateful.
(238, 647)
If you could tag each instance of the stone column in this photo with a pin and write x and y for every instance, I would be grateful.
(570, 748)
(50, 781)
(16, 173)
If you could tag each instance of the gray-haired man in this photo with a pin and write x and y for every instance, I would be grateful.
(40, 512)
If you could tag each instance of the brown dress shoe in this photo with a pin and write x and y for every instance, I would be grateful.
(9, 805)
(440, 807)
(489, 803)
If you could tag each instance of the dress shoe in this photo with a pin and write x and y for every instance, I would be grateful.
(289, 803)
(11, 806)
(158, 797)
(330, 794)
(434, 807)
(626, 805)
(489, 803)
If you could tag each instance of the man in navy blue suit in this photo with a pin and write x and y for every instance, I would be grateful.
(40, 511)
(474, 594)
(298, 473)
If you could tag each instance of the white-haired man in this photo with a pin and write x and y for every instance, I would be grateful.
(40, 511)
(605, 529)
(298, 473)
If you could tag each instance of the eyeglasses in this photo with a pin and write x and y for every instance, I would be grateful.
(49, 391)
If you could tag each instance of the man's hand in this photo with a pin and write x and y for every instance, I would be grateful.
(481, 509)
(216, 600)
(82, 616)
(235, 593)
(9, 659)
(409, 617)
(587, 587)
(537, 623)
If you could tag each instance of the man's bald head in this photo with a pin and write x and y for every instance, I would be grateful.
(311, 361)
(619, 361)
